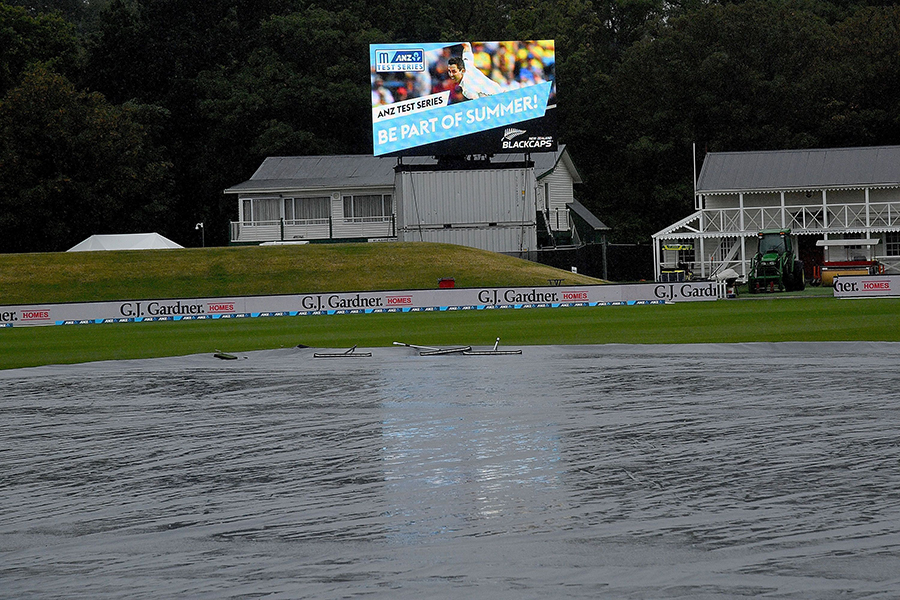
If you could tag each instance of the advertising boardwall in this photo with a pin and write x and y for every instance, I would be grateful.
(866, 286)
(136, 311)
(461, 98)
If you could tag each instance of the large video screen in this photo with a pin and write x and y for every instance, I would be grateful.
(460, 98)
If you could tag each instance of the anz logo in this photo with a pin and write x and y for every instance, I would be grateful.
(395, 61)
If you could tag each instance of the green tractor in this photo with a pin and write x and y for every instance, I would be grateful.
(775, 267)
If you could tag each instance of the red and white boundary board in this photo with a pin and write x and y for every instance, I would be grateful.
(189, 309)
(866, 286)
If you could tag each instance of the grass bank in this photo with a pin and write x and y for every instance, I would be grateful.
(259, 270)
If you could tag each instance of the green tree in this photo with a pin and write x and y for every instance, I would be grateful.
(72, 10)
(228, 82)
(71, 165)
(864, 80)
(27, 39)
(181, 55)
(734, 77)
(302, 90)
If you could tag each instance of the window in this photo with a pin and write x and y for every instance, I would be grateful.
(307, 209)
(892, 243)
(372, 207)
(771, 242)
(261, 209)
(856, 253)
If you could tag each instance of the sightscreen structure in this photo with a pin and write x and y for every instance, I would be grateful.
(463, 98)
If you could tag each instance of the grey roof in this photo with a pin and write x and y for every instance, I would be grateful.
(358, 171)
(319, 172)
(582, 211)
(800, 169)
(545, 163)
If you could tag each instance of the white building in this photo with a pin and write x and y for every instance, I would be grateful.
(508, 205)
(842, 206)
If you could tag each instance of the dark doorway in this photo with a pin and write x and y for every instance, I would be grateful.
(812, 256)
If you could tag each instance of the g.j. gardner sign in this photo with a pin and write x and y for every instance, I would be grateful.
(131, 311)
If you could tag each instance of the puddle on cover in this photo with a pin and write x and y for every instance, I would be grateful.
(700, 471)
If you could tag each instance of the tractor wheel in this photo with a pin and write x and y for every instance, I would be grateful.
(799, 279)
(787, 281)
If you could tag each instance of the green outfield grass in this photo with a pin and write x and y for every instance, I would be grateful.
(813, 315)
(769, 319)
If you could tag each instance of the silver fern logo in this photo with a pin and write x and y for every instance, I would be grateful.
(512, 133)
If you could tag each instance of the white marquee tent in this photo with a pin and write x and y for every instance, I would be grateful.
(124, 241)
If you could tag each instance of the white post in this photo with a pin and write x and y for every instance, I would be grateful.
(782, 210)
(868, 222)
(703, 257)
(696, 197)
(744, 255)
(702, 245)
(657, 271)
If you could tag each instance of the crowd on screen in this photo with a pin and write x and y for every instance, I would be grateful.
(511, 64)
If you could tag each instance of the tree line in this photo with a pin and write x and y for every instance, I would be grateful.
(121, 116)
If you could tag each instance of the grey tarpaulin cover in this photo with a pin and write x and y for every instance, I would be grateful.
(613, 471)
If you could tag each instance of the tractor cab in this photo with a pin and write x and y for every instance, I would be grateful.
(773, 243)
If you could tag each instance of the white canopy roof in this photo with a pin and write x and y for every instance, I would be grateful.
(849, 242)
(124, 241)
